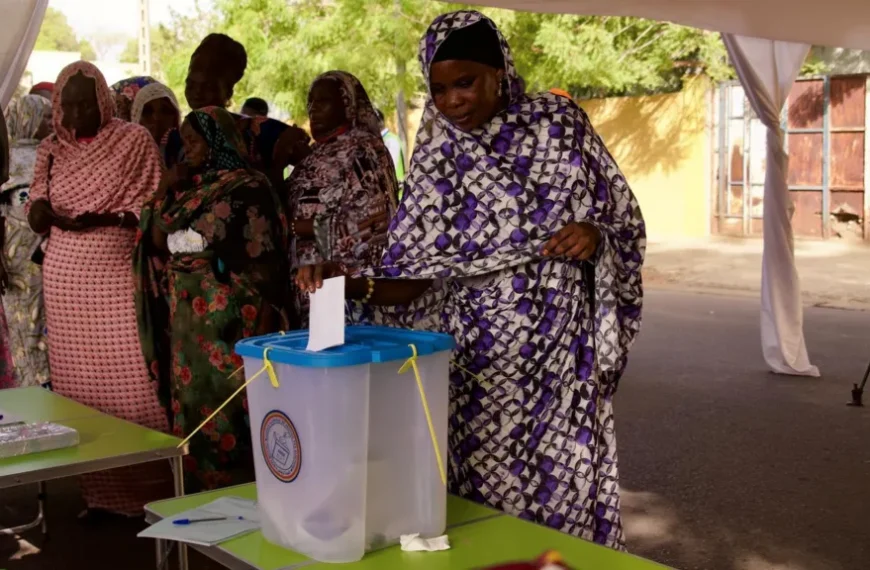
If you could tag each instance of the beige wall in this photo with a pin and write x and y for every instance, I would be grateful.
(662, 145)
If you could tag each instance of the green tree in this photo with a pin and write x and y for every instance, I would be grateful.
(87, 50)
(56, 34)
(290, 43)
(131, 50)
(600, 56)
(590, 56)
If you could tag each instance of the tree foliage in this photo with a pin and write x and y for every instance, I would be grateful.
(599, 56)
(56, 34)
(87, 51)
(131, 50)
(288, 46)
(290, 42)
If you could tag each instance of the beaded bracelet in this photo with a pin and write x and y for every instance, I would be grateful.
(371, 291)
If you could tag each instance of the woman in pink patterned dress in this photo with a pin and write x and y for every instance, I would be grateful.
(90, 181)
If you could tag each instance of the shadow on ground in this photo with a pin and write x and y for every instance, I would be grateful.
(728, 467)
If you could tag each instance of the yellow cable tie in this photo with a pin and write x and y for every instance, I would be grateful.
(477, 377)
(412, 364)
(273, 378)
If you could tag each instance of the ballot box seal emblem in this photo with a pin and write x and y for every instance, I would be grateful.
(282, 451)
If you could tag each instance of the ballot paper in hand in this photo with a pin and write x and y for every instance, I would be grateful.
(327, 316)
(212, 532)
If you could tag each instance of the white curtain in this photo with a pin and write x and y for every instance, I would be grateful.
(21, 20)
(767, 70)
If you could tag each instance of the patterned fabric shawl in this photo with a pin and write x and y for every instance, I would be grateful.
(130, 86)
(125, 92)
(482, 201)
(115, 172)
(170, 144)
(238, 213)
(343, 182)
(151, 92)
(226, 150)
(23, 119)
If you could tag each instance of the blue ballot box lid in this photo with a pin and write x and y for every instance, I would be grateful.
(362, 345)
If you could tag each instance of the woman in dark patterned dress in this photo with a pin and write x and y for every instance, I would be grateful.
(343, 194)
(211, 269)
(518, 235)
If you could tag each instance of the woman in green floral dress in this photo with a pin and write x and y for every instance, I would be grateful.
(211, 265)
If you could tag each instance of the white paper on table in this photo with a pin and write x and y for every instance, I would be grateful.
(208, 533)
(413, 543)
(327, 316)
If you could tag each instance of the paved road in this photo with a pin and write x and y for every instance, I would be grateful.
(724, 466)
(728, 467)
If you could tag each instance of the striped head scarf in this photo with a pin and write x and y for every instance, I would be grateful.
(151, 92)
(24, 117)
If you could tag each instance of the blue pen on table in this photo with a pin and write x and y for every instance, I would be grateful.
(183, 522)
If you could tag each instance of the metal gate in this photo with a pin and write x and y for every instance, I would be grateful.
(825, 122)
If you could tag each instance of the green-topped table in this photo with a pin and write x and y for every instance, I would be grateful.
(479, 537)
(105, 442)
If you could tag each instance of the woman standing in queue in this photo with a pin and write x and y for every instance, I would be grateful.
(89, 184)
(29, 124)
(343, 194)
(216, 66)
(221, 238)
(156, 108)
(518, 235)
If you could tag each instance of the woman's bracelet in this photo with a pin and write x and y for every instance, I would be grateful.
(371, 290)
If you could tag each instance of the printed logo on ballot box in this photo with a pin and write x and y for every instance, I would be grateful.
(281, 449)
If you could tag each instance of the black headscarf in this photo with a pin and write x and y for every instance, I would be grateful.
(478, 42)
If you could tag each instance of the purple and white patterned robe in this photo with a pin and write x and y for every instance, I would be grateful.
(539, 355)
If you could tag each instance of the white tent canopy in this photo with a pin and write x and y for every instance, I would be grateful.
(767, 41)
